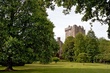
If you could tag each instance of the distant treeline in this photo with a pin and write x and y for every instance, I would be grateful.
(86, 48)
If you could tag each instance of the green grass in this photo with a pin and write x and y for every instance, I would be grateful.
(61, 67)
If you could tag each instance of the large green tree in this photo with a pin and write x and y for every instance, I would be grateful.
(68, 49)
(24, 30)
(91, 45)
(79, 45)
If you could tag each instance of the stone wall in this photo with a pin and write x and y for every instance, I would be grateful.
(73, 30)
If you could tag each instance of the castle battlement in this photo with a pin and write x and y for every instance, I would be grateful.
(73, 30)
(69, 28)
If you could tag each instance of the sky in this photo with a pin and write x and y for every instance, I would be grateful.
(62, 21)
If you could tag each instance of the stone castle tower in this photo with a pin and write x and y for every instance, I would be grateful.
(73, 30)
(60, 47)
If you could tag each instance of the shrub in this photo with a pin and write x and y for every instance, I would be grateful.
(82, 57)
(56, 59)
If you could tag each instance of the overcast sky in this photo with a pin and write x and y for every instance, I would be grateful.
(62, 21)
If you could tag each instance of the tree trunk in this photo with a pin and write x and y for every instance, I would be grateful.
(9, 64)
(9, 68)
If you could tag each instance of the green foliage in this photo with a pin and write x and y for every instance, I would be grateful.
(79, 44)
(44, 37)
(55, 59)
(82, 48)
(13, 49)
(30, 32)
(68, 49)
(104, 51)
(86, 46)
(82, 58)
(92, 48)
(55, 47)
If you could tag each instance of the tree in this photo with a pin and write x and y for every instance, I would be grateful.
(68, 49)
(104, 51)
(92, 45)
(24, 28)
(79, 45)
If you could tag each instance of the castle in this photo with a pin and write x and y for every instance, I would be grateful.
(73, 30)
(69, 31)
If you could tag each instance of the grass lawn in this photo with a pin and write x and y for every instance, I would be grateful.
(61, 67)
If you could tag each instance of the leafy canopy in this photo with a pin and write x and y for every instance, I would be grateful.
(25, 30)
(94, 10)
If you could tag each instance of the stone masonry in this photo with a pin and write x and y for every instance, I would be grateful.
(73, 30)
